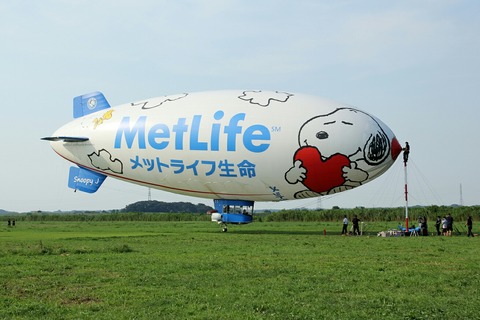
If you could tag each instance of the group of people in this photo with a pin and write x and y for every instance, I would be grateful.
(444, 226)
(355, 228)
(447, 225)
(422, 223)
(11, 223)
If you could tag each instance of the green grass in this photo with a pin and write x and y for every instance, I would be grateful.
(191, 270)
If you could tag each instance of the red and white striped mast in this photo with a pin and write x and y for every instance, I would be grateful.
(406, 152)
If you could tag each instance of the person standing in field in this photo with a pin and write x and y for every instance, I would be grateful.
(438, 222)
(449, 225)
(425, 226)
(355, 221)
(469, 225)
(444, 226)
(345, 225)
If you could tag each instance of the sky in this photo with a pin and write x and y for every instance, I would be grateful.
(413, 64)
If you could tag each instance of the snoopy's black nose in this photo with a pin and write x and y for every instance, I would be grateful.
(322, 135)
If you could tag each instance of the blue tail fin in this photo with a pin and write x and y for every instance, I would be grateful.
(85, 180)
(89, 103)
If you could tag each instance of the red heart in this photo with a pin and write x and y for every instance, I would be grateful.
(322, 175)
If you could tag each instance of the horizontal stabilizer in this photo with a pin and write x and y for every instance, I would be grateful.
(85, 180)
(89, 103)
(66, 139)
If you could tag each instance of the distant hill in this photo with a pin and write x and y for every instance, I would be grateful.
(3, 211)
(160, 206)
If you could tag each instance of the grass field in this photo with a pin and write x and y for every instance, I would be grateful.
(191, 270)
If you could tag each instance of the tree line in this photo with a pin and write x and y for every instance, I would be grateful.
(459, 213)
(303, 215)
(160, 206)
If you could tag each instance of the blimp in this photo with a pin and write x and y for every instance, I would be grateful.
(233, 146)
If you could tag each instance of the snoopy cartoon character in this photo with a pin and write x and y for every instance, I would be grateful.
(337, 152)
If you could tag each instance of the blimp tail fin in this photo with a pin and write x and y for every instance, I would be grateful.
(85, 180)
(89, 103)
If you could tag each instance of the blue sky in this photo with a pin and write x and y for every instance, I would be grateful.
(413, 64)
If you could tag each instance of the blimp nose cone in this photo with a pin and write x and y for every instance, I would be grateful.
(396, 148)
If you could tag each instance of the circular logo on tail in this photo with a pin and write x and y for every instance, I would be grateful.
(92, 103)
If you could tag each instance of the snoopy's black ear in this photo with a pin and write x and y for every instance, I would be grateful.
(377, 148)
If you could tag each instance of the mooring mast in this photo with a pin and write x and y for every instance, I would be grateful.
(406, 152)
